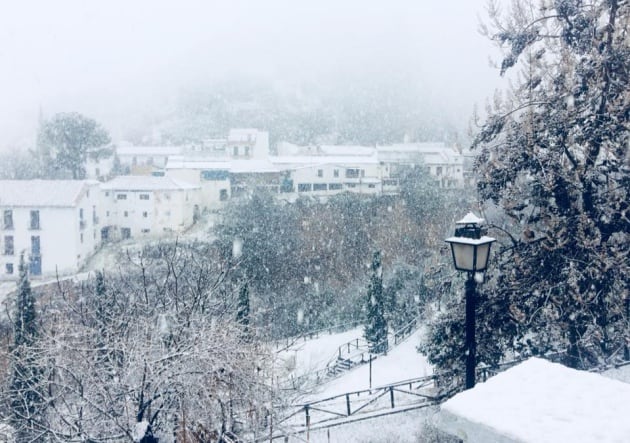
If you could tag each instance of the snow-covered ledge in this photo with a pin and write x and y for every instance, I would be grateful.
(539, 401)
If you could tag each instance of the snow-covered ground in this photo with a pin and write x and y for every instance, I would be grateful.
(402, 363)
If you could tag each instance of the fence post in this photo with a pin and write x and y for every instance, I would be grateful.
(391, 395)
(308, 417)
(348, 404)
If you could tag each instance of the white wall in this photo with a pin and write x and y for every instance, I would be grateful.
(152, 212)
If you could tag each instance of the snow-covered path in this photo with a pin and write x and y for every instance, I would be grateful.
(402, 363)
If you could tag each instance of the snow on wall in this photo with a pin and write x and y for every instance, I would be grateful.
(539, 401)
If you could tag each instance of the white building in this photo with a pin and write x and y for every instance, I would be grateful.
(444, 163)
(54, 223)
(143, 160)
(142, 205)
(211, 175)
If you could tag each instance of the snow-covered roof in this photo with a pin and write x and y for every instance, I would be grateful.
(289, 149)
(42, 193)
(314, 160)
(422, 148)
(540, 401)
(146, 183)
(149, 150)
(180, 162)
(254, 165)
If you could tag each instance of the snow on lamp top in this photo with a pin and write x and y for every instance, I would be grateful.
(470, 219)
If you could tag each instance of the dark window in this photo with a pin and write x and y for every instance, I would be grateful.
(82, 237)
(335, 186)
(8, 219)
(145, 214)
(146, 231)
(246, 151)
(8, 245)
(223, 195)
(336, 173)
(94, 217)
(8, 268)
(35, 245)
(121, 196)
(235, 151)
(304, 187)
(352, 173)
(35, 219)
(320, 172)
(320, 186)
(214, 175)
(438, 170)
(144, 196)
(126, 214)
(125, 233)
(80, 213)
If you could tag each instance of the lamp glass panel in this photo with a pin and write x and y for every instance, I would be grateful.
(482, 256)
(463, 254)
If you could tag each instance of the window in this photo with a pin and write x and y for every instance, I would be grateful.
(304, 187)
(107, 213)
(320, 172)
(8, 219)
(352, 173)
(145, 214)
(126, 214)
(8, 268)
(335, 186)
(167, 213)
(144, 196)
(438, 171)
(94, 217)
(8, 245)
(106, 193)
(235, 151)
(35, 219)
(80, 213)
(223, 195)
(246, 151)
(35, 245)
(125, 233)
(82, 237)
(336, 173)
(121, 196)
(146, 231)
(320, 186)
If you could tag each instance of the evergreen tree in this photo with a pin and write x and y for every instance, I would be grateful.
(375, 331)
(242, 312)
(554, 158)
(26, 400)
(63, 143)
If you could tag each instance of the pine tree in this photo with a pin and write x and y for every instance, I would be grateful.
(242, 313)
(26, 400)
(375, 331)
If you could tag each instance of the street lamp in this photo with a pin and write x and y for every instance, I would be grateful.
(471, 250)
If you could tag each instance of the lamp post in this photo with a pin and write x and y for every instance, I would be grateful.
(471, 250)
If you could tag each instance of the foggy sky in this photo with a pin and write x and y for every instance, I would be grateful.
(117, 58)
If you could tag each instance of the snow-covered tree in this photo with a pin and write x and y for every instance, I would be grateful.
(553, 155)
(25, 390)
(375, 330)
(147, 351)
(63, 144)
